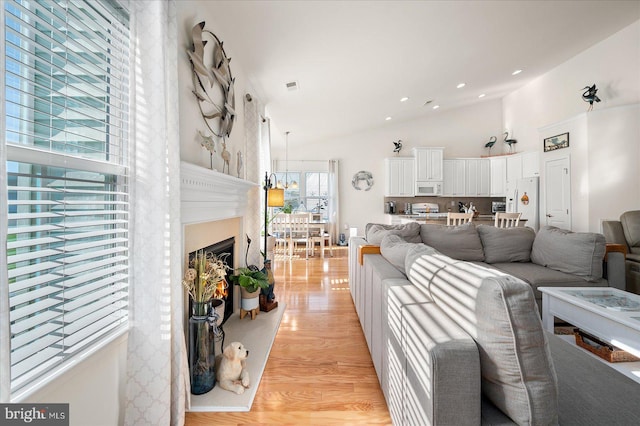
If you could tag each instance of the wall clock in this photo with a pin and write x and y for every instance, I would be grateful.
(212, 81)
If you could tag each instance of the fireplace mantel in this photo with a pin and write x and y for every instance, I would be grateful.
(207, 195)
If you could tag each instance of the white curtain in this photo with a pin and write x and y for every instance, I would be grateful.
(334, 197)
(157, 371)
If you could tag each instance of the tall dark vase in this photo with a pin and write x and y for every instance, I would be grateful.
(201, 350)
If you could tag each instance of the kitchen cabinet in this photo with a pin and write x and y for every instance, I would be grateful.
(399, 177)
(429, 164)
(454, 177)
(498, 171)
(477, 177)
(530, 164)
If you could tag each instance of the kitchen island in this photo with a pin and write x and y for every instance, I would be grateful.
(441, 219)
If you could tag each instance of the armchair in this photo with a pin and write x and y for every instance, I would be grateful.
(626, 232)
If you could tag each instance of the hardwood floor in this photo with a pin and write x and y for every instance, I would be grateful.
(319, 370)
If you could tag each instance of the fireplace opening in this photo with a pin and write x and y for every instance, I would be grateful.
(223, 250)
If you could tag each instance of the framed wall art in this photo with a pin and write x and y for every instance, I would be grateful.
(556, 142)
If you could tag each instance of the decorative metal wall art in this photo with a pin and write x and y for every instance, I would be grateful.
(397, 147)
(362, 180)
(212, 81)
(589, 95)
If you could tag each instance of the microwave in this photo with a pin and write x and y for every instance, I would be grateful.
(428, 188)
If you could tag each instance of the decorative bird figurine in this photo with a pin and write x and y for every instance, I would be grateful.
(492, 141)
(398, 147)
(509, 142)
(589, 95)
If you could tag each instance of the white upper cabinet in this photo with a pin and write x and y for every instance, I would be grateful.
(399, 177)
(454, 177)
(498, 176)
(478, 177)
(530, 164)
(429, 166)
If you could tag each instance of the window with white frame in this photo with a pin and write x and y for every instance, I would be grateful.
(65, 123)
(316, 190)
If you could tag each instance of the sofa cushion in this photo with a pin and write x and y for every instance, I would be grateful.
(459, 242)
(499, 312)
(375, 232)
(631, 226)
(539, 276)
(506, 244)
(394, 249)
(577, 253)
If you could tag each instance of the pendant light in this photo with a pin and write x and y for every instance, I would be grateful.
(294, 184)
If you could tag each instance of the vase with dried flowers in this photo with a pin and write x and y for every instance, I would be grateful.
(203, 278)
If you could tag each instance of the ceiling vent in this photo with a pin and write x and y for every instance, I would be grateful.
(292, 86)
(427, 102)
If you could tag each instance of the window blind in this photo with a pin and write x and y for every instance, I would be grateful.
(66, 123)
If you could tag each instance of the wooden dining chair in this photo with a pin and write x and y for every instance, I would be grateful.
(280, 230)
(507, 220)
(458, 218)
(299, 232)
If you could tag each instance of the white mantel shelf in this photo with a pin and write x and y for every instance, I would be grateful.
(207, 195)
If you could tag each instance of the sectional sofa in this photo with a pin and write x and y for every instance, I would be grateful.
(452, 323)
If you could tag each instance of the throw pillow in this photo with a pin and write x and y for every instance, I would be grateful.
(506, 244)
(577, 253)
(460, 242)
(375, 232)
(499, 312)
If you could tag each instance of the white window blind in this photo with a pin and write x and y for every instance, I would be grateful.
(65, 123)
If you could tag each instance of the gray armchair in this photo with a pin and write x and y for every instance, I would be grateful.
(626, 232)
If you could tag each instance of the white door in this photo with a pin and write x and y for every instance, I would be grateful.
(557, 185)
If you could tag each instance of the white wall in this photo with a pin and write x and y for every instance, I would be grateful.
(545, 105)
(463, 132)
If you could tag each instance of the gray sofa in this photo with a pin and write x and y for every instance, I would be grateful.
(459, 341)
(626, 233)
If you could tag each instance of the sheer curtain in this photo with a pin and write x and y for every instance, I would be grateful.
(157, 371)
(334, 203)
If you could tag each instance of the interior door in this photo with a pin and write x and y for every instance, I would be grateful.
(557, 187)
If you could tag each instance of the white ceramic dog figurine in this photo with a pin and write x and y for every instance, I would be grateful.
(230, 368)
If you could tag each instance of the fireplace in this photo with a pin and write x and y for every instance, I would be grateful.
(223, 250)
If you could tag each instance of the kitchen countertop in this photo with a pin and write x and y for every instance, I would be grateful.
(442, 217)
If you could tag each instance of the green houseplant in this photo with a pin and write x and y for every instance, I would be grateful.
(250, 282)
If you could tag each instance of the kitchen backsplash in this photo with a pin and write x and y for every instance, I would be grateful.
(445, 204)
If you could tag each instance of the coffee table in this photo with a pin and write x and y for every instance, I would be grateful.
(608, 313)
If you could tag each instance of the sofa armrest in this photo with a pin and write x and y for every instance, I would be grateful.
(367, 249)
(614, 265)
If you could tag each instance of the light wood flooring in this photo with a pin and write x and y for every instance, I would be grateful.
(319, 370)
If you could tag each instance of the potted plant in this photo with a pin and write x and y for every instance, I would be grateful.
(204, 274)
(251, 282)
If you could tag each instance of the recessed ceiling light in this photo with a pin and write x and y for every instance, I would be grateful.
(461, 85)
(482, 95)
(436, 106)
(516, 72)
(388, 118)
(405, 99)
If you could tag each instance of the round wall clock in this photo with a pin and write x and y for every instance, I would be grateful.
(212, 81)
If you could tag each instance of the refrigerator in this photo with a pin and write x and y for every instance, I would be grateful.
(525, 199)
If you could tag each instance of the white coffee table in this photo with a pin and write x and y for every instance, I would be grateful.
(608, 313)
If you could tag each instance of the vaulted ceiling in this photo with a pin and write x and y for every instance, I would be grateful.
(353, 61)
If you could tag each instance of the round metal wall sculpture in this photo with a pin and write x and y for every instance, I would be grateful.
(362, 180)
(212, 81)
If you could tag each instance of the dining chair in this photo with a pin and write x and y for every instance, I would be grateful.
(299, 232)
(320, 235)
(280, 230)
(507, 220)
(458, 218)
